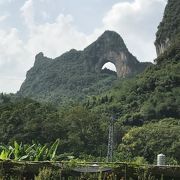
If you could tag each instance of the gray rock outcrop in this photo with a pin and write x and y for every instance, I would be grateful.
(169, 29)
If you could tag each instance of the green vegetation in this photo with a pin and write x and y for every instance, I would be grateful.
(152, 139)
(79, 130)
(170, 25)
(48, 174)
(45, 170)
(152, 97)
(64, 80)
(147, 110)
(34, 152)
(147, 102)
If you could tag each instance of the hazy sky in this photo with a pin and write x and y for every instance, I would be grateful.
(55, 26)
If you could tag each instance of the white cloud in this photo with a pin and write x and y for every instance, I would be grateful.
(10, 84)
(3, 17)
(45, 15)
(12, 59)
(28, 13)
(55, 38)
(137, 23)
(51, 38)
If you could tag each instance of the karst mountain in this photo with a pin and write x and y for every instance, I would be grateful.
(78, 74)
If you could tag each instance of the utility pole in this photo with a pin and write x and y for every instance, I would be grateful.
(110, 140)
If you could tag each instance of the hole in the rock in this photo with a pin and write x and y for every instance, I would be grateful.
(109, 66)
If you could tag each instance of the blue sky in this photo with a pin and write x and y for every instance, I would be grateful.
(55, 26)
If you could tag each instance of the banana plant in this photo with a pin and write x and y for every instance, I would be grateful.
(53, 149)
(41, 153)
(4, 155)
(34, 152)
(6, 152)
(17, 150)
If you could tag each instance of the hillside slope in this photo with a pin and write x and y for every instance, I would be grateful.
(155, 93)
(147, 108)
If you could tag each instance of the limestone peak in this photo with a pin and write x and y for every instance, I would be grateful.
(169, 28)
(111, 36)
(109, 40)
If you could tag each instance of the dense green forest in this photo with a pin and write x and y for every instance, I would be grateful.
(79, 130)
(146, 109)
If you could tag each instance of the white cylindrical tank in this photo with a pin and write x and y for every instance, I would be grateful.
(161, 160)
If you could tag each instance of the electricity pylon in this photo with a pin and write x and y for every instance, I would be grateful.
(110, 140)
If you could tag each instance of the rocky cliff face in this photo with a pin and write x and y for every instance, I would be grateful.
(77, 74)
(169, 28)
(110, 47)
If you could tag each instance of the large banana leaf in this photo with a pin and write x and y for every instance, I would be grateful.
(34, 152)
(4, 155)
(53, 149)
(40, 154)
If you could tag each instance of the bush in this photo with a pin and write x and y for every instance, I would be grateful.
(48, 174)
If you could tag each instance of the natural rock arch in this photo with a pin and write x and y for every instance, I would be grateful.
(110, 47)
(119, 60)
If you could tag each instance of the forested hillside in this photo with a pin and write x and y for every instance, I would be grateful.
(148, 104)
(146, 110)
(80, 130)
(152, 95)
(150, 101)
(65, 81)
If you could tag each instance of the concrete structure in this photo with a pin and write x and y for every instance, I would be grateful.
(161, 160)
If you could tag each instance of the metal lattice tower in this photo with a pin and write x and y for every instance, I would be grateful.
(110, 140)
